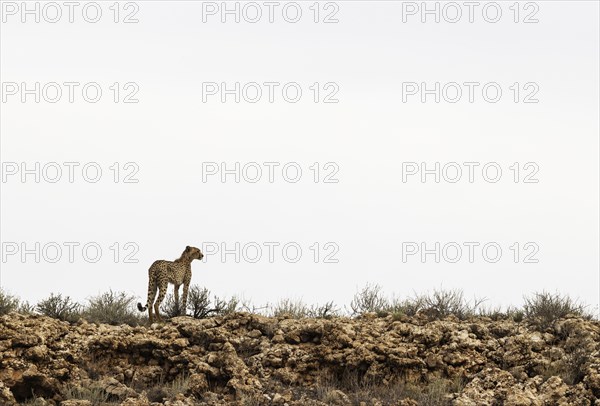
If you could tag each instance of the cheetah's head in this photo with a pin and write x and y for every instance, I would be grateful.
(193, 253)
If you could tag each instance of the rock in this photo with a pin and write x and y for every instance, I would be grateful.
(337, 397)
(37, 353)
(255, 333)
(141, 400)
(285, 361)
(198, 384)
(278, 339)
(115, 389)
(6, 396)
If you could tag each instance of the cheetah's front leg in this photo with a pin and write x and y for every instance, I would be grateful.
(176, 295)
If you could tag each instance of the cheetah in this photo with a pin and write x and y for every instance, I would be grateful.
(162, 272)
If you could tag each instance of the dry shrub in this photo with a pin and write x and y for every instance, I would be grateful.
(59, 307)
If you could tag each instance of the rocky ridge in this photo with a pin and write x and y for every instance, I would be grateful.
(248, 359)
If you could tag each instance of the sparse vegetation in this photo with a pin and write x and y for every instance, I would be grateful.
(297, 309)
(515, 314)
(540, 309)
(26, 308)
(575, 365)
(369, 299)
(442, 303)
(94, 394)
(496, 313)
(157, 394)
(112, 308)
(349, 386)
(324, 311)
(8, 303)
(162, 390)
(35, 401)
(59, 307)
(170, 308)
(408, 307)
(199, 304)
(543, 309)
(178, 385)
(223, 307)
(571, 369)
(438, 304)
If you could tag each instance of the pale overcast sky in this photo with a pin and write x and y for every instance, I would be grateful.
(377, 61)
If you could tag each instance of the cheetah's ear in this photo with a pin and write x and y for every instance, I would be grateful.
(187, 248)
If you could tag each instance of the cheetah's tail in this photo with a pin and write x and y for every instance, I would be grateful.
(142, 308)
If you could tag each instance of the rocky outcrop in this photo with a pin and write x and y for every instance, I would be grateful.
(249, 359)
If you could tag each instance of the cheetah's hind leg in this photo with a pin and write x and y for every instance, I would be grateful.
(152, 290)
(162, 292)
